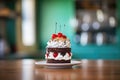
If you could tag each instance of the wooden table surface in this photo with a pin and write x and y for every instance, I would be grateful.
(88, 70)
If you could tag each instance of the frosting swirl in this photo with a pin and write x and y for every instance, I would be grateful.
(59, 43)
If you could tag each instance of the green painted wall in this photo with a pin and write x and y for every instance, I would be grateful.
(11, 28)
(118, 17)
(108, 51)
(60, 11)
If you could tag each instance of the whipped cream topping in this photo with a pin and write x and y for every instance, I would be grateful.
(59, 43)
(59, 57)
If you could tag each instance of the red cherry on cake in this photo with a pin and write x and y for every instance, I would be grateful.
(55, 54)
(60, 34)
(64, 36)
(69, 53)
(47, 54)
(54, 36)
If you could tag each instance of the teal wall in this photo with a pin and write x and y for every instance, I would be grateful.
(10, 26)
(108, 51)
(62, 11)
(118, 17)
(11, 32)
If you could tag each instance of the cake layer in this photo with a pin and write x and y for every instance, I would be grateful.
(62, 50)
(58, 61)
(58, 56)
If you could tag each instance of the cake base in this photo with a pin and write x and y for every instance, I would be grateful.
(58, 61)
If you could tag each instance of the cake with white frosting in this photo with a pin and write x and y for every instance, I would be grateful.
(58, 49)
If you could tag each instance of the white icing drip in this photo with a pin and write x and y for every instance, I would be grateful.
(59, 57)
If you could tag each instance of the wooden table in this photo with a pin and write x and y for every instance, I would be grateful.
(88, 70)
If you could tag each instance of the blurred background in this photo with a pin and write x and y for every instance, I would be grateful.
(91, 25)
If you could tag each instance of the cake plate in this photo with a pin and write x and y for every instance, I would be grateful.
(58, 65)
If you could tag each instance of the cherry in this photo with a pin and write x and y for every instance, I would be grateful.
(55, 54)
(47, 54)
(64, 36)
(69, 53)
(54, 36)
(60, 34)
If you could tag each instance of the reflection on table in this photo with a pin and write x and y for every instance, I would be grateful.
(88, 70)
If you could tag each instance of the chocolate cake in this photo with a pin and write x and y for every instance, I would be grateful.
(58, 49)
